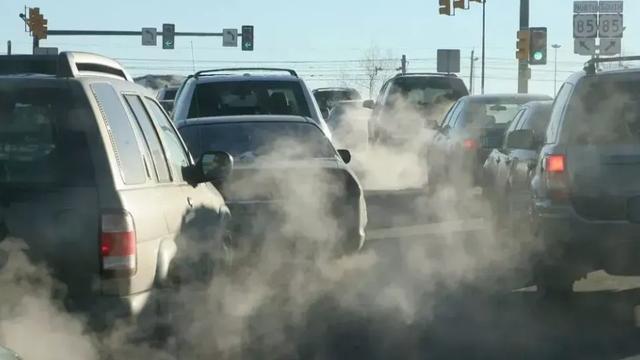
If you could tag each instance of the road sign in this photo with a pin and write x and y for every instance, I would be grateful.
(610, 26)
(585, 7)
(149, 36)
(45, 51)
(610, 46)
(585, 26)
(585, 46)
(611, 7)
(230, 37)
(168, 36)
(448, 61)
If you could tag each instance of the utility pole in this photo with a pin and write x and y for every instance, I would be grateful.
(555, 69)
(403, 63)
(9, 47)
(484, 3)
(473, 65)
(523, 65)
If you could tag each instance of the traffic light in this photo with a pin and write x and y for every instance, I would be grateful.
(247, 38)
(37, 23)
(523, 45)
(538, 46)
(459, 4)
(445, 7)
(168, 36)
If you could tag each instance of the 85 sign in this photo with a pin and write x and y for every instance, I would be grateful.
(585, 26)
(610, 25)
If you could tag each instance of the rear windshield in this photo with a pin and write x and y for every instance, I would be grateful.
(39, 141)
(169, 94)
(486, 114)
(248, 98)
(247, 141)
(605, 111)
(425, 91)
(327, 99)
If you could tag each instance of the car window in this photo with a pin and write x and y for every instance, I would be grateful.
(176, 153)
(40, 143)
(327, 99)
(556, 113)
(248, 98)
(449, 115)
(151, 137)
(604, 110)
(121, 132)
(517, 120)
(424, 91)
(457, 113)
(481, 114)
(537, 121)
(247, 141)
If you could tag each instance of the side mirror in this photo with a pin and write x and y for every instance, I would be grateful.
(369, 104)
(214, 167)
(521, 139)
(345, 155)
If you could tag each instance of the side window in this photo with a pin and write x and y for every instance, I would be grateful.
(151, 137)
(449, 116)
(559, 105)
(457, 114)
(176, 153)
(121, 133)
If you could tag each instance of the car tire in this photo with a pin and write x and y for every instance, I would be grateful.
(554, 281)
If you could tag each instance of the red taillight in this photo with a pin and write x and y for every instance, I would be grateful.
(555, 163)
(118, 244)
(470, 144)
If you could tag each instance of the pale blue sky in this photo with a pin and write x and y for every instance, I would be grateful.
(323, 38)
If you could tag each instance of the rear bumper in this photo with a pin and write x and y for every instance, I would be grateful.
(610, 245)
(101, 311)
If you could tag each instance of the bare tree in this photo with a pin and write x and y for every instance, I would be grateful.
(376, 67)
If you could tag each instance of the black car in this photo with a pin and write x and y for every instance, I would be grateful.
(509, 168)
(472, 128)
(407, 102)
(287, 178)
(586, 188)
(327, 98)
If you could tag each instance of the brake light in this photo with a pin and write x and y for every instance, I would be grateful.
(555, 163)
(470, 144)
(118, 250)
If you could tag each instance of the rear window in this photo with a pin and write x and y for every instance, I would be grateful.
(605, 110)
(486, 114)
(248, 141)
(425, 91)
(41, 137)
(539, 120)
(248, 98)
(327, 99)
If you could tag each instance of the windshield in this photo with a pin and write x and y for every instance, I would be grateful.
(498, 112)
(327, 99)
(248, 141)
(424, 92)
(605, 111)
(248, 98)
(38, 141)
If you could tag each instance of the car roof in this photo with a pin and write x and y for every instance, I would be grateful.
(337, 88)
(246, 119)
(516, 98)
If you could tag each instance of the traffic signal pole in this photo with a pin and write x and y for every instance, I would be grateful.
(523, 64)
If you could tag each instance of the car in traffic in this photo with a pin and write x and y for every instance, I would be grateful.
(407, 102)
(97, 182)
(470, 130)
(348, 121)
(586, 194)
(166, 96)
(246, 91)
(328, 97)
(287, 179)
(508, 169)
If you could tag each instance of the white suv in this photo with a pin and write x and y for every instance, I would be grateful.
(246, 91)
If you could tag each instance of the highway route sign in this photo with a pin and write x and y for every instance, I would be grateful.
(585, 7)
(610, 26)
(610, 7)
(585, 26)
(610, 46)
(149, 36)
(585, 46)
(230, 37)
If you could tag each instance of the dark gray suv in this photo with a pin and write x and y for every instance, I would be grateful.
(97, 182)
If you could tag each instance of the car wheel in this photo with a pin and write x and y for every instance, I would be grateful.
(554, 281)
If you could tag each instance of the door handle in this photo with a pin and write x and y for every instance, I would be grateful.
(190, 202)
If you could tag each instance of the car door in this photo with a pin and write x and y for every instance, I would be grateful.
(206, 212)
(438, 148)
(505, 155)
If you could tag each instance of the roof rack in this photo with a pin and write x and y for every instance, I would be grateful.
(590, 66)
(215, 71)
(66, 64)
(426, 73)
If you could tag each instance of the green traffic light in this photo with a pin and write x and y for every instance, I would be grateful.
(538, 55)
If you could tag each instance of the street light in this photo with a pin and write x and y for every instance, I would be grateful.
(555, 68)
